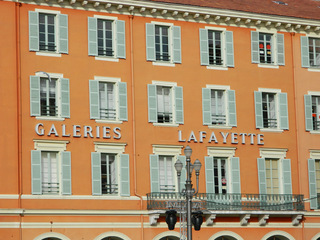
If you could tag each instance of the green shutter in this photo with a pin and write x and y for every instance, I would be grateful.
(63, 33)
(183, 177)
(65, 98)
(229, 49)
(121, 39)
(92, 37)
(232, 108)
(34, 96)
(308, 112)
(258, 109)
(204, 47)
(150, 42)
(286, 176)
(209, 174)
(305, 62)
(152, 103)
(66, 172)
(179, 104)
(96, 173)
(235, 175)
(206, 106)
(154, 173)
(36, 178)
(280, 49)
(94, 99)
(312, 184)
(255, 47)
(262, 176)
(123, 109)
(176, 43)
(124, 175)
(283, 111)
(33, 31)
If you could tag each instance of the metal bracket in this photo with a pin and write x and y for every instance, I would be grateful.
(153, 218)
(210, 219)
(263, 219)
(296, 219)
(244, 219)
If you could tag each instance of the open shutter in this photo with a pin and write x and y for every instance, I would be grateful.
(262, 176)
(283, 111)
(280, 49)
(206, 106)
(66, 172)
(176, 43)
(33, 31)
(34, 96)
(65, 98)
(92, 37)
(179, 104)
(123, 110)
(63, 33)
(154, 173)
(258, 109)
(152, 103)
(232, 108)
(229, 49)
(255, 47)
(209, 174)
(150, 42)
(204, 48)
(96, 173)
(286, 173)
(308, 112)
(312, 184)
(124, 175)
(121, 39)
(94, 99)
(183, 177)
(36, 177)
(305, 62)
(235, 175)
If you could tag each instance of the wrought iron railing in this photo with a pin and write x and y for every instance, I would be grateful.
(164, 117)
(49, 110)
(316, 124)
(270, 123)
(229, 202)
(107, 113)
(110, 188)
(218, 119)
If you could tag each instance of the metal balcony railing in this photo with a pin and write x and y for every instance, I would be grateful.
(228, 202)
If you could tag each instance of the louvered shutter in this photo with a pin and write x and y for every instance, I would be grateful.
(312, 184)
(308, 112)
(92, 37)
(280, 49)
(65, 98)
(255, 47)
(36, 176)
(33, 31)
(209, 174)
(305, 61)
(124, 175)
(206, 106)
(96, 173)
(258, 109)
(179, 104)
(152, 103)
(204, 47)
(121, 39)
(283, 111)
(150, 42)
(262, 176)
(286, 173)
(235, 175)
(66, 172)
(232, 113)
(176, 43)
(63, 33)
(183, 176)
(154, 173)
(229, 49)
(35, 96)
(94, 99)
(123, 109)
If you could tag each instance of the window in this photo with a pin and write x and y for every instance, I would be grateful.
(314, 179)
(165, 103)
(110, 170)
(163, 43)
(220, 175)
(219, 106)
(216, 47)
(106, 38)
(167, 175)
(50, 168)
(108, 99)
(267, 48)
(48, 32)
(271, 109)
(49, 97)
(310, 52)
(272, 176)
(312, 111)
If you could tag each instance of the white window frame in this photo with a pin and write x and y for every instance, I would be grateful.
(313, 35)
(314, 94)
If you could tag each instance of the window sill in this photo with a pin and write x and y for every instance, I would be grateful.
(266, 65)
(315, 132)
(108, 121)
(164, 64)
(166, 124)
(314, 69)
(212, 67)
(50, 118)
(48, 54)
(109, 59)
(219, 127)
(271, 130)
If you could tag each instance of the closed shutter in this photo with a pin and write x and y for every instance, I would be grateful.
(63, 33)
(150, 42)
(262, 176)
(305, 62)
(209, 174)
(229, 49)
(183, 177)
(283, 111)
(36, 176)
(232, 108)
(92, 37)
(35, 96)
(94, 99)
(255, 47)
(176, 43)
(121, 39)
(312, 184)
(33, 31)
(206, 106)
(280, 49)
(286, 173)
(258, 109)
(123, 110)
(179, 104)
(66, 172)
(65, 98)
(96, 173)
(204, 47)
(154, 173)
(235, 175)
(152, 103)
(124, 175)
(308, 112)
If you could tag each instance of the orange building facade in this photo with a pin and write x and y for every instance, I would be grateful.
(100, 98)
